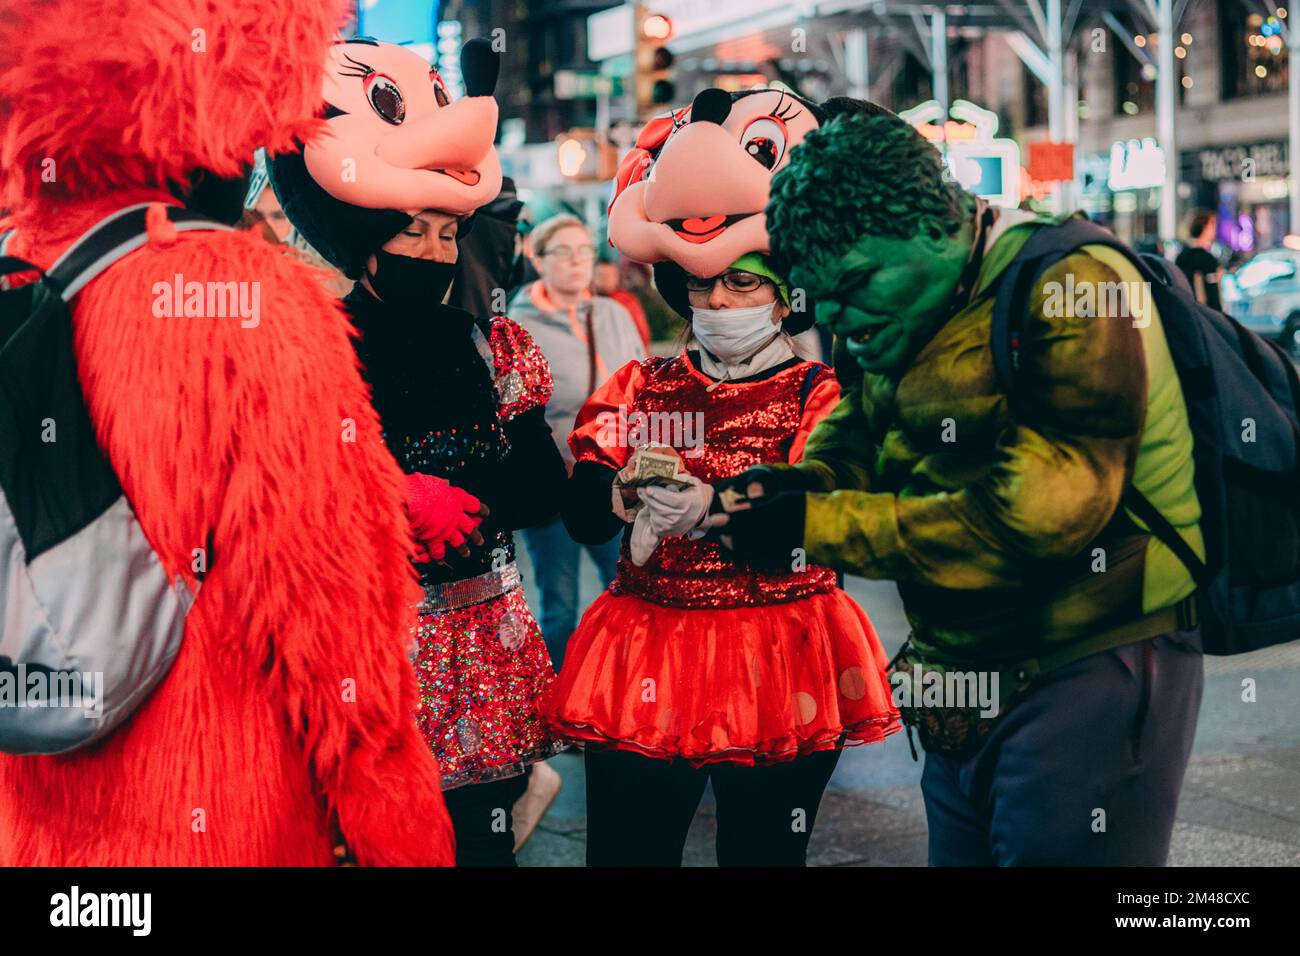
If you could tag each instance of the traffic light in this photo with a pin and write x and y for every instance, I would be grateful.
(653, 62)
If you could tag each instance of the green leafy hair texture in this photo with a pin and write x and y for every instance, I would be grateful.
(859, 174)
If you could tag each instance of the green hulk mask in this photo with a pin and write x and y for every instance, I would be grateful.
(865, 222)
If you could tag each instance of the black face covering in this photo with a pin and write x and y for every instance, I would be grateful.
(219, 197)
(411, 284)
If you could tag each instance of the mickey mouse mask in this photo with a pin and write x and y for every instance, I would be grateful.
(693, 191)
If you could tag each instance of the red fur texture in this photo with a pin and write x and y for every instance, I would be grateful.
(289, 713)
(233, 439)
(123, 93)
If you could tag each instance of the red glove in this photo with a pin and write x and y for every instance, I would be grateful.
(442, 515)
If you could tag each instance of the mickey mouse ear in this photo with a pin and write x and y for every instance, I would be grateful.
(479, 66)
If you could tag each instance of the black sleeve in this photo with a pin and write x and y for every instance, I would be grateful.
(588, 508)
(525, 491)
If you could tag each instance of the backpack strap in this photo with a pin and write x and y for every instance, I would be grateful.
(806, 386)
(1167, 272)
(1160, 526)
(11, 264)
(1046, 246)
(12, 316)
(112, 238)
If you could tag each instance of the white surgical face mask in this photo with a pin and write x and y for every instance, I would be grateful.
(733, 335)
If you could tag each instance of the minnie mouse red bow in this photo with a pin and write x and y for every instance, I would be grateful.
(641, 157)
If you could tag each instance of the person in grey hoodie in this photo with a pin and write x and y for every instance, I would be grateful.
(585, 338)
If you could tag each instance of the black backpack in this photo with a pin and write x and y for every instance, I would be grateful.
(89, 622)
(1249, 583)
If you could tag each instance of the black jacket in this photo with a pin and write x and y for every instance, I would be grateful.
(439, 411)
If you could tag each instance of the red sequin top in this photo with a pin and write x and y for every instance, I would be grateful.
(720, 433)
(522, 377)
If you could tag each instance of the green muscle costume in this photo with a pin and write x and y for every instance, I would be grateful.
(1000, 525)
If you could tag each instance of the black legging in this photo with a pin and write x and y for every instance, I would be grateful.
(639, 809)
(481, 815)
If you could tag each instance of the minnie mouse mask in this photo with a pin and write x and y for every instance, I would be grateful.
(394, 142)
(693, 189)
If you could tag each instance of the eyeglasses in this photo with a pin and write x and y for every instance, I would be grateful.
(580, 253)
(735, 281)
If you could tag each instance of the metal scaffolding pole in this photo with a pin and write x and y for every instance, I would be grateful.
(1293, 113)
(1056, 119)
(1056, 73)
(939, 59)
(1166, 80)
(856, 66)
(1069, 193)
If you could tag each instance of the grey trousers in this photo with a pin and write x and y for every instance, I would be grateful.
(1084, 769)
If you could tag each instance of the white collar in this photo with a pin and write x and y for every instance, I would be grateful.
(770, 355)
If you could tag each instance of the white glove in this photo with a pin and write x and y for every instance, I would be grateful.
(643, 540)
(675, 512)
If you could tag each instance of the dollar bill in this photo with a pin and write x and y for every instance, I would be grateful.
(650, 467)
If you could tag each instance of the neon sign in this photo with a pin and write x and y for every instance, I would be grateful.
(980, 162)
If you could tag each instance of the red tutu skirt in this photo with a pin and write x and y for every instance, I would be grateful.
(741, 685)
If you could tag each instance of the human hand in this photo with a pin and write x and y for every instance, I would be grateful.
(676, 511)
(643, 540)
(736, 493)
(766, 532)
(442, 517)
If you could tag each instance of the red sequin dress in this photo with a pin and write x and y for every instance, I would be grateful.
(695, 655)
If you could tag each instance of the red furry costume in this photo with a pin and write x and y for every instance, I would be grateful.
(289, 711)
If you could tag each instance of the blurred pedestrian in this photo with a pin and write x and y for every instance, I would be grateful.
(609, 282)
(1198, 261)
(262, 211)
(584, 337)
(488, 252)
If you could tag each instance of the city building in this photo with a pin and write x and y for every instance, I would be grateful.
(1230, 113)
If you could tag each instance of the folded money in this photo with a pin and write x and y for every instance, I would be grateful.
(651, 465)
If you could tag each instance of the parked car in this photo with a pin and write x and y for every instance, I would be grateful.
(1264, 295)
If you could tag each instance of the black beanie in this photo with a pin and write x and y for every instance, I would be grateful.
(343, 234)
(218, 197)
